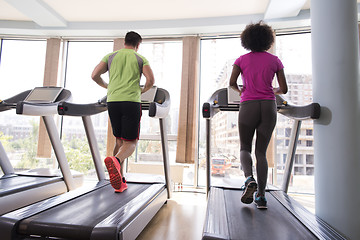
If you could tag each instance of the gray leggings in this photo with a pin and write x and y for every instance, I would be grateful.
(259, 115)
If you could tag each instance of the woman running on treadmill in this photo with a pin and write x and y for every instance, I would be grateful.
(124, 101)
(257, 110)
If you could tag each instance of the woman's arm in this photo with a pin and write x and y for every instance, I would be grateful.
(282, 89)
(233, 78)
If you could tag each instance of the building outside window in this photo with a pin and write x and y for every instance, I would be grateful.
(309, 132)
(309, 159)
(299, 159)
(287, 132)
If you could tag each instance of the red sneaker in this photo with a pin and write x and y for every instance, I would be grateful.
(113, 167)
(123, 186)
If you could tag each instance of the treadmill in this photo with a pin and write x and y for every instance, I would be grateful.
(20, 189)
(228, 218)
(97, 212)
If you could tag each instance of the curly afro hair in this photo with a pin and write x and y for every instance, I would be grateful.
(257, 37)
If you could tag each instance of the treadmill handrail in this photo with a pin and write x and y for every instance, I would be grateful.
(10, 103)
(42, 109)
(218, 102)
(74, 109)
(159, 108)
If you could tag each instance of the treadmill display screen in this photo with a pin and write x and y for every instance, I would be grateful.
(44, 94)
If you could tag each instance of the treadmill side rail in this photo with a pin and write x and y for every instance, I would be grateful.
(131, 231)
(216, 222)
(316, 225)
(123, 218)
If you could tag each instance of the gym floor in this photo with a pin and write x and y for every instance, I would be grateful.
(181, 218)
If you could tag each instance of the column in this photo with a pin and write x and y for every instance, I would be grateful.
(50, 79)
(335, 49)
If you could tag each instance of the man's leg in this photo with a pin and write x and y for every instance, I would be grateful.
(124, 149)
(117, 146)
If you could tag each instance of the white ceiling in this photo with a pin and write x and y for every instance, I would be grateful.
(108, 18)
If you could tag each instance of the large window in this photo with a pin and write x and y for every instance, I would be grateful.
(21, 68)
(82, 57)
(217, 58)
(165, 59)
(295, 53)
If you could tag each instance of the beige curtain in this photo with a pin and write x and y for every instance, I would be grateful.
(189, 102)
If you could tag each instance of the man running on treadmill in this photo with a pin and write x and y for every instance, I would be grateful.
(125, 68)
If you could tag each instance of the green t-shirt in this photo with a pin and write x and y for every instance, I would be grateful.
(125, 69)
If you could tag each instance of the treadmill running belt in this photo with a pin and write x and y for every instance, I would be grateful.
(76, 219)
(248, 222)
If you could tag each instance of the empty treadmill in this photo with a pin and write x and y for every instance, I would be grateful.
(20, 189)
(228, 218)
(97, 212)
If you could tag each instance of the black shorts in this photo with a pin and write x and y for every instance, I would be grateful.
(125, 119)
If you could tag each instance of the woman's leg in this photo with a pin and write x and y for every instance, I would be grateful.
(248, 120)
(263, 136)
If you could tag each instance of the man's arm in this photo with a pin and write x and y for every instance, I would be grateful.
(96, 74)
(149, 75)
